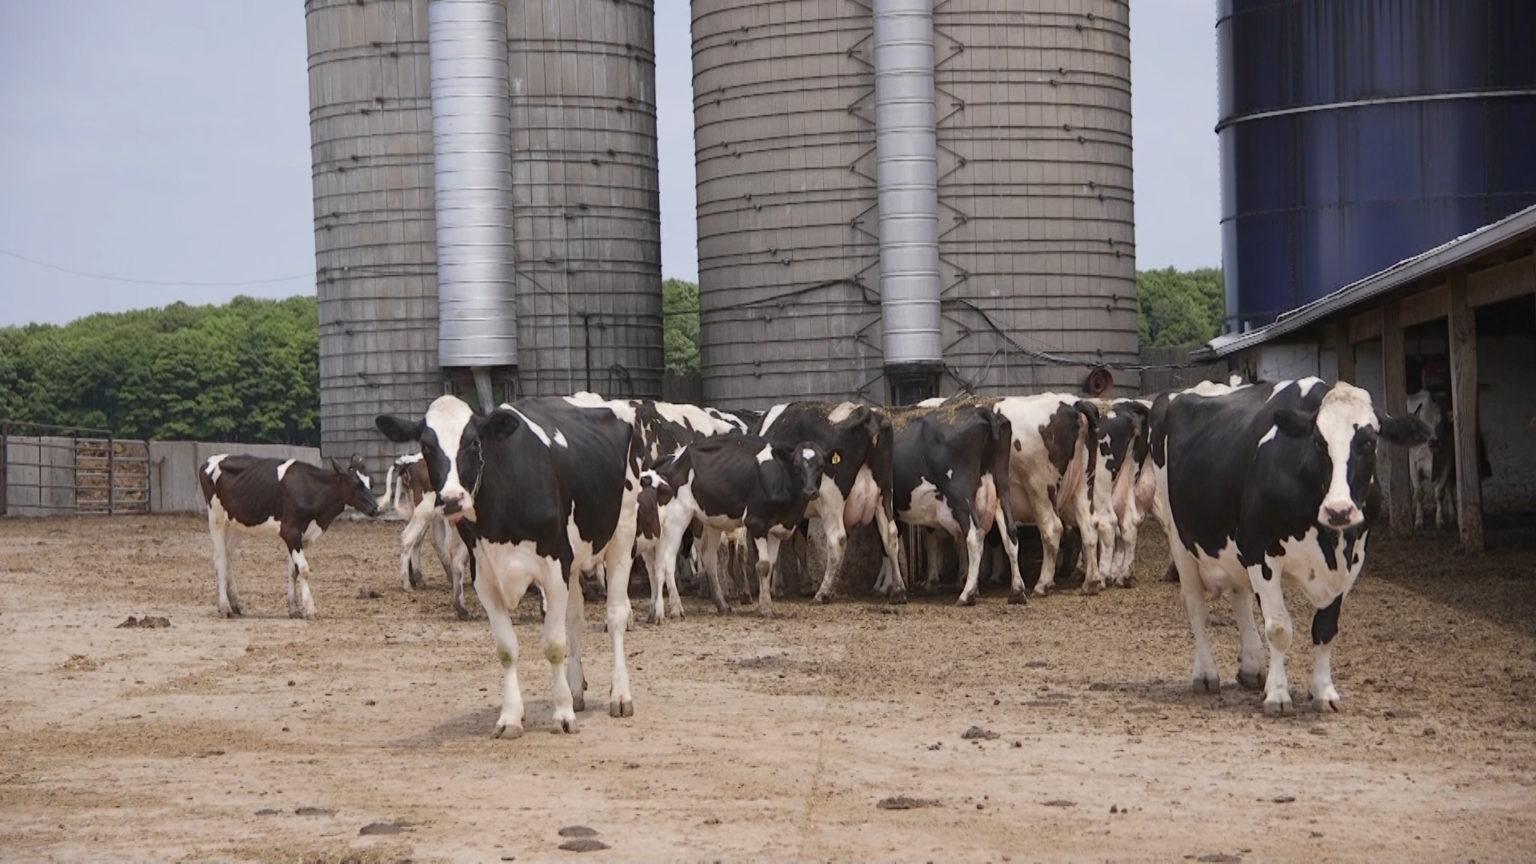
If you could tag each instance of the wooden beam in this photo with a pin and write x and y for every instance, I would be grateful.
(1462, 325)
(1424, 306)
(1509, 280)
(1394, 368)
(1343, 349)
(1365, 327)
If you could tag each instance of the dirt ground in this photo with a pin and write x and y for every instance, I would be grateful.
(362, 735)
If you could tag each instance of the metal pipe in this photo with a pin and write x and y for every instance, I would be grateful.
(472, 183)
(906, 153)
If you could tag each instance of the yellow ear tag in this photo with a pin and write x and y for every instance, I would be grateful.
(836, 458)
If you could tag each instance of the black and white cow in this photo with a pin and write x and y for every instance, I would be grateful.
(737, 481)
(291, 499)
(1262, 484)
(950, 472)
(426, 520)
(854, 491)
(542, 491)
(1122, 423)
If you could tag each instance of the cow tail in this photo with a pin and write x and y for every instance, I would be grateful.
(1080, 469)
(391, 494)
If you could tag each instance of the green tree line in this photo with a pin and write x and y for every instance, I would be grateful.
(246, 371)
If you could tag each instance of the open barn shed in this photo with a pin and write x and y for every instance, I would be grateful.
(1458, 320)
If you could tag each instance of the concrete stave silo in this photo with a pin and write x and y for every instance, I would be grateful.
(1035, 224)
(375, 243)
(1356, 134)
(583, 243)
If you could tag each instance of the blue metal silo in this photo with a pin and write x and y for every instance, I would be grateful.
(1356, 133)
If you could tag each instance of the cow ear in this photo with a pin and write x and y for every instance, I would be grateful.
(1296, 424)
(783, 453)
(500, 425)
(398, 430)
(358, 463)
(1403, 431)
(336, 466)
(835, 457)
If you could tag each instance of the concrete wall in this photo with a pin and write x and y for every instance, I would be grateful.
(1506, 402)
(173, 467)
(34, 460)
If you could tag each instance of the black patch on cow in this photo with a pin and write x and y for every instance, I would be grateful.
(1325, 622)
(955, 448)
(1060, 434)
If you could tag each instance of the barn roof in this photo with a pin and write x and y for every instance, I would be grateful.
(1511, 229)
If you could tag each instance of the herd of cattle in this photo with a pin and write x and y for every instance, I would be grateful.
(1250, 481)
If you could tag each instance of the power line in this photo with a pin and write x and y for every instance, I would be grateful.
(165, 283)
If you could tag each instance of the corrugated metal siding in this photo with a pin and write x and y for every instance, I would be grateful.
(375, 255)
(785, 147)
(587, 203)
(1035, 206)
(1339, 184)
(1036, 222)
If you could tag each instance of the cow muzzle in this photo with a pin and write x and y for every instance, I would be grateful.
(1340, 514)
(811, 493)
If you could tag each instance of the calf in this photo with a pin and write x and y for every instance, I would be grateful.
(1429, 470)
(294, 500)
(1266, 483)
(542, 491)
(735, 481)
(426, 520)
(950, 472)
(854, 490)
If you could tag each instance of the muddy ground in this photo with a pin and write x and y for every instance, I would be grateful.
(362, 735)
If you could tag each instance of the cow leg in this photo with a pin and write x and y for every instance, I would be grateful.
(767, 553)
(218, 532)
(674, 523)
(675, 597)
(1008, 533)
(410, 545)
(1050, 528)
(498, 610)
(973, 549)
(575, 629)
(650, 554)
(1192, 589)
(300, 603)
(934, 556)
(1325, 625)
(621, 703)
(1418, 502)
(1266, 579)
(1088, 531)
(231, 539)
(890, 537)
(1125, 553)
(1250, 658)
(455, 557)
(555, 639)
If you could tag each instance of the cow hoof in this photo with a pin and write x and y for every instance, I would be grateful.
(1092, 588)
(656, 619)
(462, 612)
(765, 611)
(1328, 700)
(1017, 598)
(566, 720)
(898, 597)
(1279, 705)
(508, 730)
(621, 708)
(579, 700)
(225, 611)
(1252, 680)
(823, 598)
(1206, 684)
(966, 601)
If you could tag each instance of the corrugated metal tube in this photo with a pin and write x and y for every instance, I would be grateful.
(472, 181)
(907, 174)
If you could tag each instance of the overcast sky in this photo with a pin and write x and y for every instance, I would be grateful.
(167, 141)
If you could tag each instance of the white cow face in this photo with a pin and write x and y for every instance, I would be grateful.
(1345, 428)
(449, 436)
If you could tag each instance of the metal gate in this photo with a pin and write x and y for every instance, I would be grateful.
(65, 470)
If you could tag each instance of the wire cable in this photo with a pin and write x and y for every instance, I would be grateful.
(166, 283)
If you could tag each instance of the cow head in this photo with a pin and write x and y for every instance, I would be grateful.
(1344, 430)
(450, 436)
(356, 487)
(807, 462)
(1423, 406)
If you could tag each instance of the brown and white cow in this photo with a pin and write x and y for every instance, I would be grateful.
(294, 500)
(426, 520)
